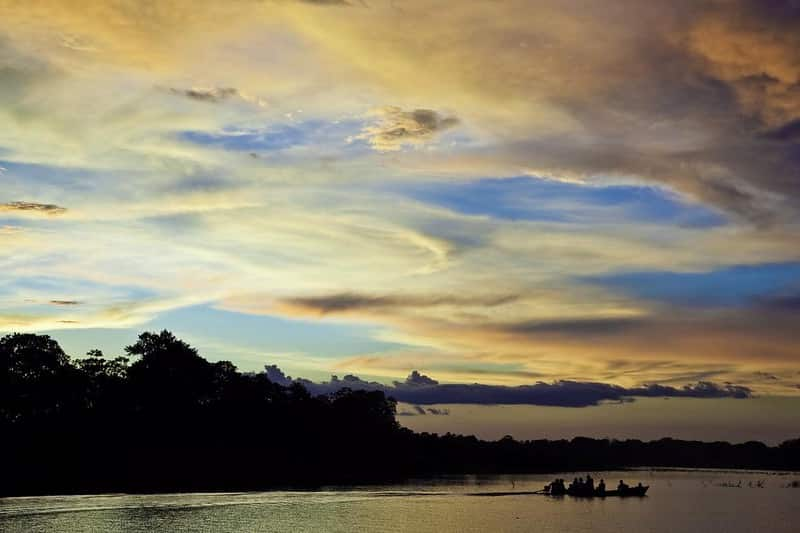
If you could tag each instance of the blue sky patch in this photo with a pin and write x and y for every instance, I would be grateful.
(271, 334)
(738, 285)
(17, 179)
(57, 287)
(276, 137)
(526, 198)
(249, 140)
(249, 341)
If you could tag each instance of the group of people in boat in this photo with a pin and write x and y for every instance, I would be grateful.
(586, 487)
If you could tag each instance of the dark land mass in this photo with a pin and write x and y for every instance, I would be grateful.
(172, 421)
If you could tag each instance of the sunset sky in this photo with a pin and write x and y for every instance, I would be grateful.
(495, 192)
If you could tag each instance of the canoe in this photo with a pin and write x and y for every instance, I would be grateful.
(632, 491)
(624, 493)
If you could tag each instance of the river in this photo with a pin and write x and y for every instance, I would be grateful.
(678, 501)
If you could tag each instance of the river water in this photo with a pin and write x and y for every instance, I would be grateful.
(678, 501)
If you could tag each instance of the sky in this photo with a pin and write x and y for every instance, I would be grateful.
(555, 195)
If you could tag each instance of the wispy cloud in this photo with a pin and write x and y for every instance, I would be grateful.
(65, 302)
(216, 95)
(33, 207)
(348, 302)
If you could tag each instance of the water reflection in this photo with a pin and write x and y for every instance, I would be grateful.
(679, 501)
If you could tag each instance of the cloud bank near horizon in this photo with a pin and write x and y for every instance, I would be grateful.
(419, 389)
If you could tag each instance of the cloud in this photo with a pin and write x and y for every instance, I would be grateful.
(598, 93)
(418, 410)
(33, 207)
(694, 97)
(767, 376)
(352, 302)
(753, 46)
(785, 132)
(415, 379)
(578, 327)
(327, 2)
(789, 302)
(64, 302)
(397, 128)
(216, 95)
(743, 336)
(419, 390)
(276, 375)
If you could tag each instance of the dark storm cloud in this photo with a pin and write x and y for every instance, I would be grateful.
(419, 389)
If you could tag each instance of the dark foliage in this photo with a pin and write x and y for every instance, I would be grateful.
(171, 420)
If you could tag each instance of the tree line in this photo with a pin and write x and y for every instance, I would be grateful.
(163, 418)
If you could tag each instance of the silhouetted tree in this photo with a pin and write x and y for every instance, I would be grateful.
(169, 373)
(35, 377)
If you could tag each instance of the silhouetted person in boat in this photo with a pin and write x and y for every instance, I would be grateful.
(622, 487)
(601, 488)
(556, 487)
(589, 483)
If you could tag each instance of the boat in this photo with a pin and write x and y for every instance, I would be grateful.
(637, 491)
(627, 492)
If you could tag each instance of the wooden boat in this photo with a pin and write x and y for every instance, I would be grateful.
(637, 491)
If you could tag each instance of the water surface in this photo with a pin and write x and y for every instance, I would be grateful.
(684, 501)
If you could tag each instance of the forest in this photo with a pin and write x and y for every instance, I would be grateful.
(163, 418)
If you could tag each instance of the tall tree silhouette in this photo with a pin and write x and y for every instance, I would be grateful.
(35, 377)
(169, 373)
